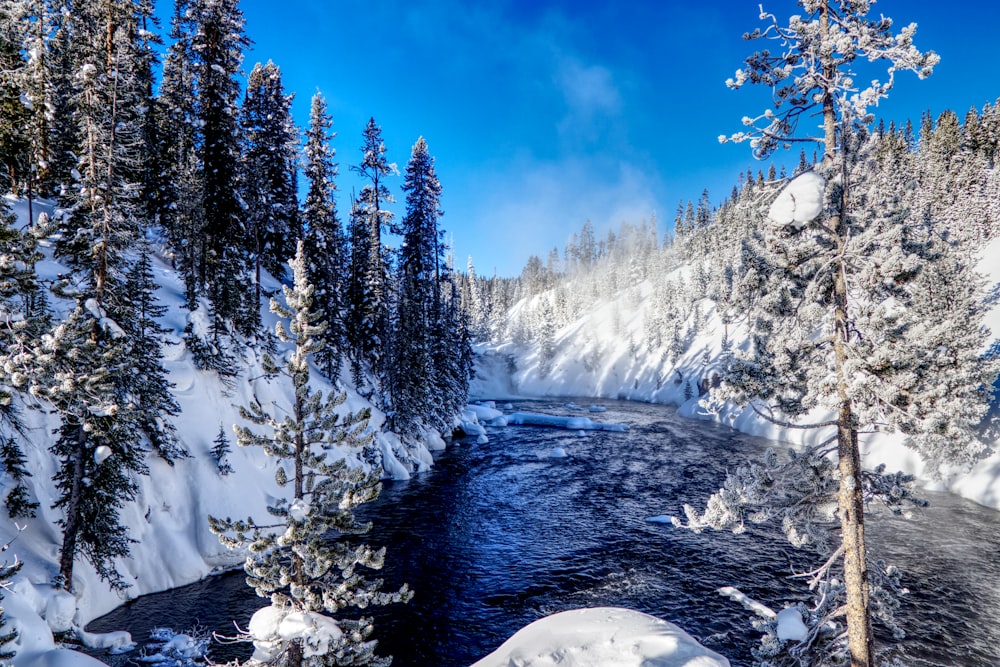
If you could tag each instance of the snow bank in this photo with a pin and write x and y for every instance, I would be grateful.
(602, 637)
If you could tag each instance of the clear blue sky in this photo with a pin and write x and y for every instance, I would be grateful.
(544, 113)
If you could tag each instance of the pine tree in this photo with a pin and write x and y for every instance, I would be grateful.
(217, 43)
(76, 369)
(179, 199)
(418, 303)
(81, 368)
(18, 500)
(221, 450)
(148, 383)
(293, 561)
(63, 133)
(14, 116)
(368, 308)
(834, 274)
(324, 235)
(267, 179)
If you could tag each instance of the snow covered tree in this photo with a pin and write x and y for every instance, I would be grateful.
(81, 368)
(220, 450)
(18, 501)
(368, 289)
(14, 115)
(63, 137)
(147, 382)
(419, 300)
(217, 43)
(76, 369)
(179, 199)
(293, 561)
(325, 237)
(7, 570)
(837, 319)
(267, 179)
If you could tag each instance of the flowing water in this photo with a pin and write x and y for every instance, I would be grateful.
(496, 536)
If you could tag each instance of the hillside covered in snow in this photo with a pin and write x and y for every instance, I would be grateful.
(167, 523)
(640, 316)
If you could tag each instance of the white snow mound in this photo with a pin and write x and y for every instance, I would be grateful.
(800, 201)
(602, 637)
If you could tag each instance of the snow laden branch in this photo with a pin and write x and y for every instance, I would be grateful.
(815, 64)
(799, 493)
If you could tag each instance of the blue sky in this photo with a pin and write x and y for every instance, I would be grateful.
(544, 113)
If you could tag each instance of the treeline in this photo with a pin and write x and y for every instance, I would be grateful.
(209, 173)
(944, 173)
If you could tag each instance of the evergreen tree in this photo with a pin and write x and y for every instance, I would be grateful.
(221, 450)
(14, 116)
(63, 134)
(324, 235)
(18, 500)
(368, 307)
(293, 561)
(82, 366)
(148, 383)
(179, 198)
(77, 370)
(824, 328)
(419, 301)
(267, 178)
(217, 43)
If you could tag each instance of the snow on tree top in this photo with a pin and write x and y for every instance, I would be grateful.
(800, 201)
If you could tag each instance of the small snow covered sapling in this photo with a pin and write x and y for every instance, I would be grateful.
(295, 560)
(221, 450)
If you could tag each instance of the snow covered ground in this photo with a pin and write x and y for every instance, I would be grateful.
(602, 637)
(598, 356)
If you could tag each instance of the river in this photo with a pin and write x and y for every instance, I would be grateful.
(498, 535)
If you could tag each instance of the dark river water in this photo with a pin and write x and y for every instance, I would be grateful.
(498, 535)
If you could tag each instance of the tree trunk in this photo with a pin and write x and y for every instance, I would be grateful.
(849, 498)
(67, 553)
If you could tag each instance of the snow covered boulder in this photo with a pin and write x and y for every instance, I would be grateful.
(273, 628)
(602, 637)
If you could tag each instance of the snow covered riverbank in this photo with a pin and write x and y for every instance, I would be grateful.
(600, 355)
(168, 520)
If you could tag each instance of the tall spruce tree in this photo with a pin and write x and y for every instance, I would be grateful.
(14, 115)
(294, 561)
(368, 307)
(217, 43)
(327, 261)
(147, 382)
(179, 199)
(267, 179)
(419, 301)
(837, 315)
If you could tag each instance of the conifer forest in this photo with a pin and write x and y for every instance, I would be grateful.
(208, 362)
